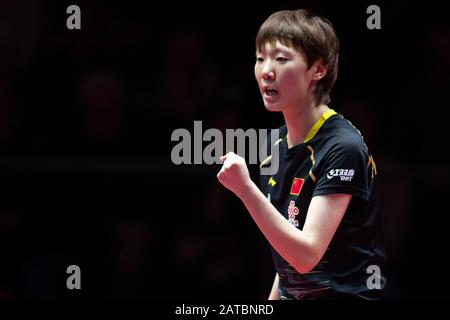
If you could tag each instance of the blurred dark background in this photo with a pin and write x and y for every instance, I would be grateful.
(86, 118)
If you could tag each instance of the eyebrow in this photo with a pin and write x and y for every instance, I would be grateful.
(274, 51)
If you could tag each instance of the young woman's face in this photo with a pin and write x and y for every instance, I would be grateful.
(283, 77)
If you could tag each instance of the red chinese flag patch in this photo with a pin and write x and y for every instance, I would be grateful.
(297, 186)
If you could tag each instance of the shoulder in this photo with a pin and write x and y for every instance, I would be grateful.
(342, 135)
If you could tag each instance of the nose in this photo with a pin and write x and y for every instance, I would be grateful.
(267, 72)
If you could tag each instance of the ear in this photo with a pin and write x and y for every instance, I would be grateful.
(319, 70)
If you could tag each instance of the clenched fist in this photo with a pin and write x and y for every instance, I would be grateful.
(234, 174)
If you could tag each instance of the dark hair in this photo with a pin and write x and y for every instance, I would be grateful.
(302, 29)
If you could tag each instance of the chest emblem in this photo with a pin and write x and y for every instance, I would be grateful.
(296, 186)
(272, 182)
(292, 213)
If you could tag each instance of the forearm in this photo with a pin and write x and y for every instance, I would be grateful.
(274, 294)
(291, 243)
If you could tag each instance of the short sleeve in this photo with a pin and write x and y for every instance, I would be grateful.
(344, 170)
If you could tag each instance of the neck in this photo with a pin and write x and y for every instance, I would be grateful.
(300, 120)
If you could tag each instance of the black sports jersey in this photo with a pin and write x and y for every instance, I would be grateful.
(332, 159)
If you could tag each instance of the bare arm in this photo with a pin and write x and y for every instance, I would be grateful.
(274, 294)
(303, 249)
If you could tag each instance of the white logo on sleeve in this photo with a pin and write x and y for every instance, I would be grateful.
(344, 174)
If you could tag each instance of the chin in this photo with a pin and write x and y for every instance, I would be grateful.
(273, 107)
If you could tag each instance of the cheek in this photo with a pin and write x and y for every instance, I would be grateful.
(293, 81)
(257, 73)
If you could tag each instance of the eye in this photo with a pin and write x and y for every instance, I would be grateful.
(282, 59)
(259, 59)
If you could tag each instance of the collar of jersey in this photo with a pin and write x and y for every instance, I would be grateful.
(319, 123)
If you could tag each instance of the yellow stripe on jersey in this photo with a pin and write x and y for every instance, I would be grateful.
(319, 124)
(267, 160)
(374, 166)
(313, 160)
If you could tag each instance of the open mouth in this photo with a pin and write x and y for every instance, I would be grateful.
(270, 92)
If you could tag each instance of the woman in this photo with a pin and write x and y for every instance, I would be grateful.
(318, 211)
